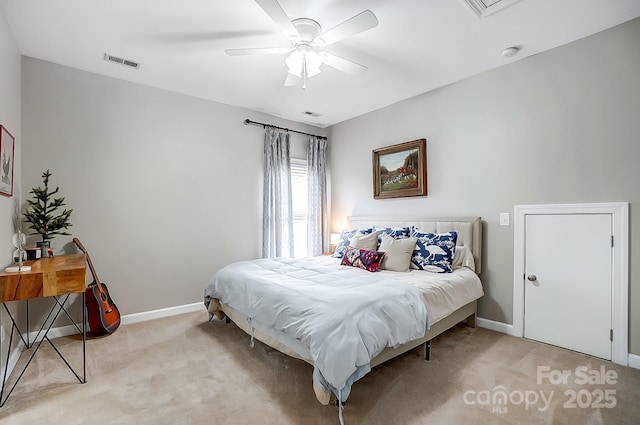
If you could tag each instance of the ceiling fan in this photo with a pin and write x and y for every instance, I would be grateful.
(306, 53)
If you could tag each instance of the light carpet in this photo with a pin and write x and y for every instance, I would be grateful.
(187, 370)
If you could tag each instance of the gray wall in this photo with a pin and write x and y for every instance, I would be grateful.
(10, 118)
(559, 127)
(165, 188)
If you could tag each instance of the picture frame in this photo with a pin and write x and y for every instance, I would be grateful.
(400, 170)
(7, 146)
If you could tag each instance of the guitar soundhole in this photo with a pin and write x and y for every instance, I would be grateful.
(103, 297)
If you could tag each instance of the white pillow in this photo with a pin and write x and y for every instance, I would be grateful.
(397, 253)
(362, 241)
(463, 258)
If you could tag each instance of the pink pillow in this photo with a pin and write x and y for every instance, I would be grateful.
(361, 258)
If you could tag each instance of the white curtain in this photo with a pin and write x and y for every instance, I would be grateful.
(277, 221)
(317, 220)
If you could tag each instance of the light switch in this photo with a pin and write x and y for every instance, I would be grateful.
(504, 219)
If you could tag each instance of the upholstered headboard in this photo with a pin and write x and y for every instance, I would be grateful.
(469, 229)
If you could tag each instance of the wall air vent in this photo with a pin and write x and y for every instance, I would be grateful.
(487, 7)
(121, 61)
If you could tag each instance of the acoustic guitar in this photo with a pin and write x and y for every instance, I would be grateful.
(102, 313)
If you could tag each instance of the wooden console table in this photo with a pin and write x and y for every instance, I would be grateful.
(57, 278)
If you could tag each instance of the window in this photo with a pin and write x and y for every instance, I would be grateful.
(299, 203)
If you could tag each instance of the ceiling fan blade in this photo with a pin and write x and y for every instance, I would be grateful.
(278, 15)
(352, 26)
(291, 80)
(258, 51)
(344, 65)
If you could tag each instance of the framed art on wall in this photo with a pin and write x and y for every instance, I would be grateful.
(6, 161)
(400, 170)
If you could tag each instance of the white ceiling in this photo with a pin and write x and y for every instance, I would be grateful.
(419, 45)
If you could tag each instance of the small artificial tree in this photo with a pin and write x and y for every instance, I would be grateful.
(42, 210)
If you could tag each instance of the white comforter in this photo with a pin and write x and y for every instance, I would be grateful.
(344, 316)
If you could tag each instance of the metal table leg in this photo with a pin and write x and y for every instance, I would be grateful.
(58, 307)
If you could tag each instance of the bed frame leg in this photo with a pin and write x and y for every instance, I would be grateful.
(471, 321)
(427, 350)
(227, 320)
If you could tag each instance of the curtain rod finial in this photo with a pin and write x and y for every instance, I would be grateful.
(247, 121)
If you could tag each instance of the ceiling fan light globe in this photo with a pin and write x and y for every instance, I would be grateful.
(294, 63)
(313, 61)
(313, 72)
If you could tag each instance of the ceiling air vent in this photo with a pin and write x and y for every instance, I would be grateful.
(487, 7)
(121, 61)
(311, 114)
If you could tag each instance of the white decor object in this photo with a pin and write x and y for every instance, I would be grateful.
(19, 240)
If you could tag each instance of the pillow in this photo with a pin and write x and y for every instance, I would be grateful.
(434, 251)
(361, 258)
(397, 253)
(463, 258)
(395, 232)
(368, 242)
(343, 243)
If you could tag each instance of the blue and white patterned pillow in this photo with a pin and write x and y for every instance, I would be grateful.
(394, 232)
(344, 241)
(434, 251)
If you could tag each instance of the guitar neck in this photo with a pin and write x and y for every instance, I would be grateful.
(93, 270)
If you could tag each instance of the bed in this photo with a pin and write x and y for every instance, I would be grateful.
(275, 300)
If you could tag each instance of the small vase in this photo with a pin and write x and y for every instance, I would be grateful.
(44, 249)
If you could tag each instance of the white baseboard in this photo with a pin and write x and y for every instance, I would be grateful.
(14, 356)
(634, 361)
(54, 332)
(504, 328)
(163, 312)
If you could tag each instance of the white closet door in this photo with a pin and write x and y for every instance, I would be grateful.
(568, 281)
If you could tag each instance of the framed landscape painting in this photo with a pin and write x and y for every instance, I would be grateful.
(6, 161)
(400, 170)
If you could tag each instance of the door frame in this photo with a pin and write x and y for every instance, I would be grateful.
(619, 266)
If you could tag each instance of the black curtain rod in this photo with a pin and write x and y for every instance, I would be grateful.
(248, 121)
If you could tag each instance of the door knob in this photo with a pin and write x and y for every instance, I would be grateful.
(532, 277)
